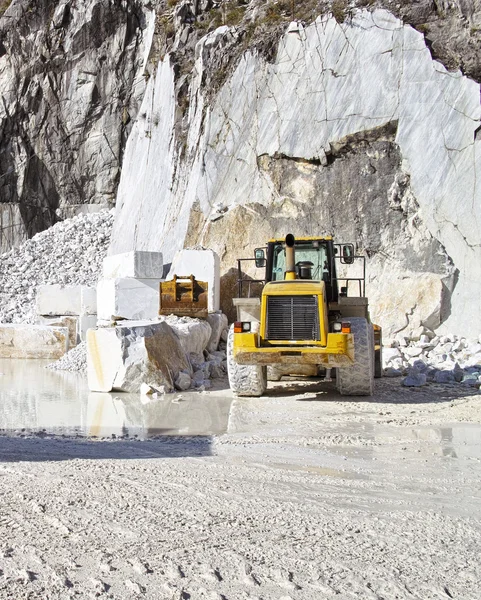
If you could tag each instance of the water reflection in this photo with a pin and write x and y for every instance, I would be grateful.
(35, 399)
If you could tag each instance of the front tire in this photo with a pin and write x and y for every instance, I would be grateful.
(244, 380)
(358, 379)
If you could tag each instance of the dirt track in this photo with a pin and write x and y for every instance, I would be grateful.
(307, 496)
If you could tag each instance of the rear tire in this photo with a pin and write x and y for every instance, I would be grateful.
(358, 379)
(244, 380)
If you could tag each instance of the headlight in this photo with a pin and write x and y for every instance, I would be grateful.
(242, 327)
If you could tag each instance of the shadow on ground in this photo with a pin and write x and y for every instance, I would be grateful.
(386, 390)
(42, 448)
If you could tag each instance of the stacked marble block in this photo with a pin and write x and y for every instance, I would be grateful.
(73, 307)
(131, 282)
(133, 345)
(129, 288)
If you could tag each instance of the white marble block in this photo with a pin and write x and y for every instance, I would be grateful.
(205, 266)
(33, 341)
(84, 323)
(141, 265)
(127, 298)
(54, 300)
(88, 300)
(122, 358)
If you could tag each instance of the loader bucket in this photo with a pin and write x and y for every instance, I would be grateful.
(184, 297)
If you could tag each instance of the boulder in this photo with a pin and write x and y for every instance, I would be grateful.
(414, 379)
(122, 358)
(444, 377)
(183, 381)
(33, 341)
(193, 334)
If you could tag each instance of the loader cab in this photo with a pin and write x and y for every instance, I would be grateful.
(314, 259)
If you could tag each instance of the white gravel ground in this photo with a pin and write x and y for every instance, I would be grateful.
(307, 496)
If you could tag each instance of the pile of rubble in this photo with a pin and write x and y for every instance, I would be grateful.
(431, 358)
(69, 253)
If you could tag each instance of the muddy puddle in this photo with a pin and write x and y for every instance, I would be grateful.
(36, 400)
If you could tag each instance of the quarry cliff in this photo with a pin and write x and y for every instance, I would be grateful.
(223, 124)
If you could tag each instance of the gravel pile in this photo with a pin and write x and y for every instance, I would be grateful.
(69, 253)
(74, 360)
(438, 359)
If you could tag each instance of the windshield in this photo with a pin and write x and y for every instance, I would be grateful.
(313, 251)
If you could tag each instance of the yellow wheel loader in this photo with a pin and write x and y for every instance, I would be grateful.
(310, 318)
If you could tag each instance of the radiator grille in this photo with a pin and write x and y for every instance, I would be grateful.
(292, 318)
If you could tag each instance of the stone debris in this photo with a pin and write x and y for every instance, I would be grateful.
(69, 253)
(74, 360)
(444, 359)
(183, 381)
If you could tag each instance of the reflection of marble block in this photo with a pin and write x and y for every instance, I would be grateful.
(33, 341)
(138, 264)
(205, 266)
(128, 298)
(105, 415)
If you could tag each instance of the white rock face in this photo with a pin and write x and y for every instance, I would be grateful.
(128, 298)
(141, 265)
(205, 266)
(144, 194)
(302, 106)
(33, 341)
(123, 358)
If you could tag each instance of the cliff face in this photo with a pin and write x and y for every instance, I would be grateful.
(71, 78)
(345, 126)
(353, 130)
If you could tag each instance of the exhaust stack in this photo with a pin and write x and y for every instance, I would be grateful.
(290, 257)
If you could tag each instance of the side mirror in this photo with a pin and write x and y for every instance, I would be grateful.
(260, 257)
(348, 254)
